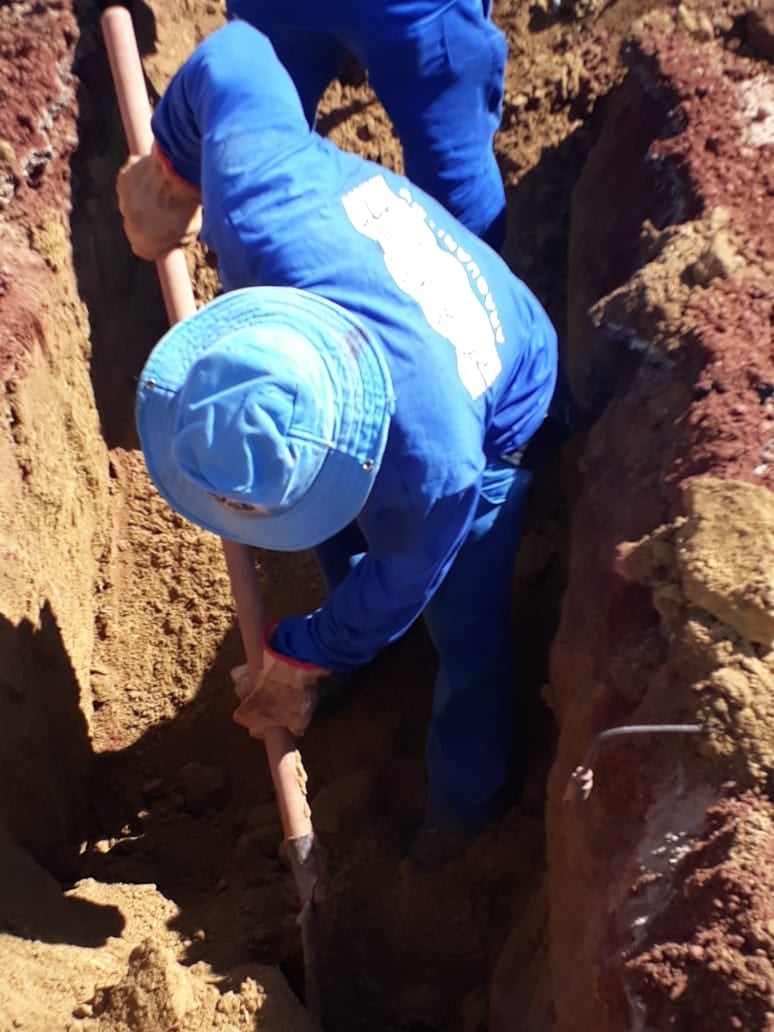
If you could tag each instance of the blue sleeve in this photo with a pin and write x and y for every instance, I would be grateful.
(175, 127)
(227, 114)
(385, 593)
(232, 86)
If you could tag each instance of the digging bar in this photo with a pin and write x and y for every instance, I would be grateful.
(287, 770)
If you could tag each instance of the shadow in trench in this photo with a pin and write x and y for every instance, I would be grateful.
(536, 249)
(539, 209)
(122, 294)
(44, 746)
(539, 203)
(44, 771)
(33, 906)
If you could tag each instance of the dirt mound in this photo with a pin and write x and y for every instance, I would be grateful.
(77, 950)
(157, 993)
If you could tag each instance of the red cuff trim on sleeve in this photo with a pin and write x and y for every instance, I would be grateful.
(169, 166)
(268, 631)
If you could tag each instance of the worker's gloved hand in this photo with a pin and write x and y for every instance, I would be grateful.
(285, 696)
(161, 211)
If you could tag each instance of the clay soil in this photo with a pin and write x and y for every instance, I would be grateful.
(143, 885)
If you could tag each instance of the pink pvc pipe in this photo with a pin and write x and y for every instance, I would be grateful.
(284, 760)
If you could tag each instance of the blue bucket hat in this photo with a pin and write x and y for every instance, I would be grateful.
(264, 417)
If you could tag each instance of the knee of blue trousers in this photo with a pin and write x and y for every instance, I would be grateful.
(441, 82)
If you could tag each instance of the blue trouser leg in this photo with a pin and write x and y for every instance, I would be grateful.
(469, 619)
(441, 82)
(312, 59)
(339, 554)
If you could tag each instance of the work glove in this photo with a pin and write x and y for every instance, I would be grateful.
(286, 694)
(161, 210)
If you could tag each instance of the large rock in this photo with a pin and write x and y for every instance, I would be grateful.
(725, 555)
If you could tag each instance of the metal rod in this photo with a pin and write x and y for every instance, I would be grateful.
(581, 781)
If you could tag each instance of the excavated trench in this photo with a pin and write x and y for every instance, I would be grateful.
(142, 886)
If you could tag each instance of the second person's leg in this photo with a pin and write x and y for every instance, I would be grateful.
(312, 59)
(441, 82)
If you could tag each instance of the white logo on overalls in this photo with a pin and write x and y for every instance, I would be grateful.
(436, 273)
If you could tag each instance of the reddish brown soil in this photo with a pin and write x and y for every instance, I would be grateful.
(670, 340)
(706, 959)
(37, 139)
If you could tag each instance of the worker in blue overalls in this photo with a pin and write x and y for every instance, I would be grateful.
(438, 67)
(365, 386)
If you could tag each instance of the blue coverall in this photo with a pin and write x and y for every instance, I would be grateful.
(438, 66)
(473, 360)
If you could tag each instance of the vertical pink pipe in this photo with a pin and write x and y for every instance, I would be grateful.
(284, 760)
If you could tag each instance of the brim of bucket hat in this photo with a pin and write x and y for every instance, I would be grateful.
(365, 403)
